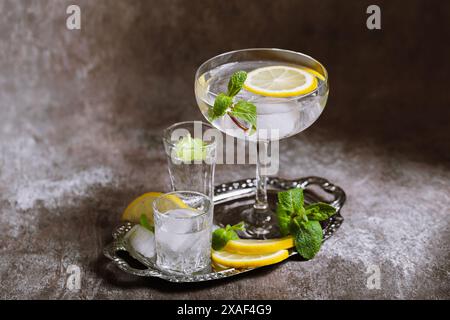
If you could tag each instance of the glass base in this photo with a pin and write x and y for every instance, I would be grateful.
(260, 224)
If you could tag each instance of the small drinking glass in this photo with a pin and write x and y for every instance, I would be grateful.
(183, 228)
(191, 156)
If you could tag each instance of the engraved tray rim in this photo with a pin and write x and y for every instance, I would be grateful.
(223, 193)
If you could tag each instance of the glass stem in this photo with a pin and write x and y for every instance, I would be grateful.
(262, 148)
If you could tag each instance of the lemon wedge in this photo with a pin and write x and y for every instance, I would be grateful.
(250, 246)
(280, 81)
(144, 205)
(235, 260)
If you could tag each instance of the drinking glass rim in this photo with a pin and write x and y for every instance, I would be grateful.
(205, 212)
(173, 144)
(266, 49)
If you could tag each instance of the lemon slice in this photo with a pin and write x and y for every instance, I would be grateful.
(144, 205)
(314, 72)
(219, 267)
(250, 246)
(280, 81)
(234, 260)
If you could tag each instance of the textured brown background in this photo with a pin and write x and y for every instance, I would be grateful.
(82, 112)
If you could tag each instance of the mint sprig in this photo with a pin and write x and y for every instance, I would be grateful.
(243, 113)
(221, 236)
(302, 222)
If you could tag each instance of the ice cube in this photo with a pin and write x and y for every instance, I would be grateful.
(178, 233)
(177, 221)
(142, 241)
(282, 118)
(180, 243)
(168, 241)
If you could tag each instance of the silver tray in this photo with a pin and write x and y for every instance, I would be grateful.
(315, 189)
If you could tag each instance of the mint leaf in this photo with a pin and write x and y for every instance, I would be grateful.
(319, 211)
(296, 224)
(298, 198)
(291, 200)
(246, 111)
(285, 202)
(308, 239)
(219, 239)
(237, 227)
(236, 83)
(144, 222)
(284, 221)
(221, 105)
(221, 236)
(290, 205)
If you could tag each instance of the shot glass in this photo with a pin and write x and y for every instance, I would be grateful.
(183, 228)
(191, 156)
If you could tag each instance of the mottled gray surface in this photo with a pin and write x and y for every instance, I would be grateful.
(82, 111)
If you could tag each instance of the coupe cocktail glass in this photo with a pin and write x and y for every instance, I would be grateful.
(277, 118)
